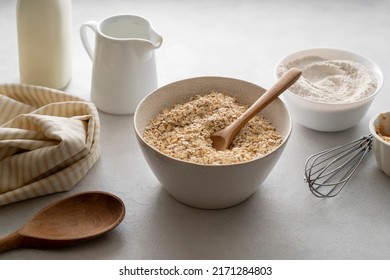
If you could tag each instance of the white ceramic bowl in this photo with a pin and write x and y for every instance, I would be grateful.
(381, 147)
(209, 186)
(325, 116)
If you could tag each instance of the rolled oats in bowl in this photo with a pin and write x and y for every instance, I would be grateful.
(184, 131)
(180, 117)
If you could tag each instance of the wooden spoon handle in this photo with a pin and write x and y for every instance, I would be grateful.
(287, 80)
(10, 241)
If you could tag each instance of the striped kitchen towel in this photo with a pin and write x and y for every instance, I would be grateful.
(48, 141)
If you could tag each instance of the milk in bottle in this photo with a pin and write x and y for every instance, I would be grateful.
(44, 39)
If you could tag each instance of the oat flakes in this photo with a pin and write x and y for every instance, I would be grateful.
(184, 131)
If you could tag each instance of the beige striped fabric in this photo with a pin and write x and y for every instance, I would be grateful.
(48, 141)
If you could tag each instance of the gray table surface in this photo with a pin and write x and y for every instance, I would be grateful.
(244, 40)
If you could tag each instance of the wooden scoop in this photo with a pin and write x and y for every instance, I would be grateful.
(68, 221)
(223, 138)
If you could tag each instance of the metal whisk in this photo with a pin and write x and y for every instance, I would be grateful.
(327, 172)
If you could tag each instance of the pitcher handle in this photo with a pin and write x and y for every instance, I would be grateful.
(83, 35)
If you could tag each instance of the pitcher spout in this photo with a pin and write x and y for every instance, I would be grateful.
(155, 39)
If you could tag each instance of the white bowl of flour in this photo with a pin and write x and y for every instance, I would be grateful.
(335, 90)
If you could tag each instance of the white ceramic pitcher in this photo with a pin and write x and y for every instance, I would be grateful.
(124, 67)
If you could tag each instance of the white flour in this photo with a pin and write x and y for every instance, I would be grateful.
(331, 81)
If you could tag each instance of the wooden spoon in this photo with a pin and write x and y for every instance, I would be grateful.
(223, 138)
(68, 221)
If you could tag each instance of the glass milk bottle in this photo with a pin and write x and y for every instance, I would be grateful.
(44, 39)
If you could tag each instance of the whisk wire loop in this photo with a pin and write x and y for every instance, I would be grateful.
(327, 172)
